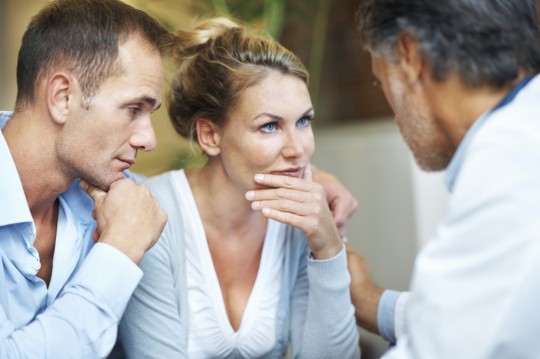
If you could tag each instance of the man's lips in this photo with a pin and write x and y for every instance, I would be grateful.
(129, 161)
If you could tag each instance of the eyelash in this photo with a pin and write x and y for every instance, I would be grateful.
(264, 127)
(307, 118)
(134, 110)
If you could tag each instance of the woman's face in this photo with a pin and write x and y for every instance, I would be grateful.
(269, 131)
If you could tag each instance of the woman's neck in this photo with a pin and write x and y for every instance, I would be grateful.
(222, 204)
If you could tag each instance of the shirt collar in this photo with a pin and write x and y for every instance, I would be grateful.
(457, 160)
(14, 208)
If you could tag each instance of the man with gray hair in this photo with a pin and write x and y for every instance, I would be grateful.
(461, 78)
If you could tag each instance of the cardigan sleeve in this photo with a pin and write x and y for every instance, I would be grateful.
(152, 324)
(155, 323)
(322, 315)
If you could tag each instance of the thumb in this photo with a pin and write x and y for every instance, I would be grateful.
(308, 174)
(94, 192)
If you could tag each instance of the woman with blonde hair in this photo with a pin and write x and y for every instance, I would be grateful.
(234, 275)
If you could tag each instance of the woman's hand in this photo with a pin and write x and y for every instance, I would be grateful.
(301, 203)
(341, 201)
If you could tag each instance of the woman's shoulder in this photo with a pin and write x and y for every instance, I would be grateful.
(164, 179)
(165, 187)
(165, 184)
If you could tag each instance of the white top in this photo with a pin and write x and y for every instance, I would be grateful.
(476, 285)
(315, 316)
(211, 334)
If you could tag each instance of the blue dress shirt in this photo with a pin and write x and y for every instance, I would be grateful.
(77, 315)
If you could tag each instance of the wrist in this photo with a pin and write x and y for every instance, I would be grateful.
(366, 308)
(129, 249)
(327, 252)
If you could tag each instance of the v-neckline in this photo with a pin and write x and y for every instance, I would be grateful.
(211, 277)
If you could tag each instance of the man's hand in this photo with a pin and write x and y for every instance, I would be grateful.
(365, 295)
(128, 217)
(342, 203)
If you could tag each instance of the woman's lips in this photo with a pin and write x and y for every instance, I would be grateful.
(291, 172)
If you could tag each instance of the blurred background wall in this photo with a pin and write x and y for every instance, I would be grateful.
(357, 139)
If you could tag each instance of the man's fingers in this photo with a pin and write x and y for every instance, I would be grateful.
(339, 212)
(342, 210)
(94, 192)
(95, 235)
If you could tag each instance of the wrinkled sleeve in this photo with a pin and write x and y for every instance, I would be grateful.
(322, 315)
(152, 326)
(82, 321)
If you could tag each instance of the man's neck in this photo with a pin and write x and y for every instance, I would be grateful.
(457, 106)
(31, 148)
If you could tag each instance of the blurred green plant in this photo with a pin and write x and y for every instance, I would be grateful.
(271, 15)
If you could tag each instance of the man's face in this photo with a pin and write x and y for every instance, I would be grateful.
(414, 116)
(102, 135)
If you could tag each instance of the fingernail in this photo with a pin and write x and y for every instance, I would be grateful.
(259, 178)
(266, 211)
(255, 205)
(250, 195)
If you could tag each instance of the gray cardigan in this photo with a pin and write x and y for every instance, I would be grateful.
(314, 315)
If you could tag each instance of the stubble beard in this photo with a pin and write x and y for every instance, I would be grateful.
(420, 132)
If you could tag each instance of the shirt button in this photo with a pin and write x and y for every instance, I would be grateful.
(29, 230)
(37, 265)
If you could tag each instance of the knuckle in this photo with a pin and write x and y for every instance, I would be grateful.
(288, 181)
(281, 192)
(283, 206)
(315, 187)
(318, 197)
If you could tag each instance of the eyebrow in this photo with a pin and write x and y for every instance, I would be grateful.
(279, 118)
(148, 100)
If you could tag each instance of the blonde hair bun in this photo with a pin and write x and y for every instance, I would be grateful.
(192, 40)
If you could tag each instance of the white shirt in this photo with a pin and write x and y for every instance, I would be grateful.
(211, 334)
(476, 285)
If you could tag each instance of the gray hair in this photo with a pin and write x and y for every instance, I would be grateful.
(484, 41)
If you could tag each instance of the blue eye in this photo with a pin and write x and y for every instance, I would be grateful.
(269, 127)
(304, 121)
